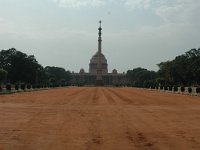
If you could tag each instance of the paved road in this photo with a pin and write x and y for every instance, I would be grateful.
(99, 119)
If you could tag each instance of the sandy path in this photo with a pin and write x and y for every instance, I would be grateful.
(99, 119)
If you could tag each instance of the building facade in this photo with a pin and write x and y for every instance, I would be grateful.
(98, 70)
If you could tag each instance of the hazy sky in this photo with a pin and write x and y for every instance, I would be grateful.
(136, 33)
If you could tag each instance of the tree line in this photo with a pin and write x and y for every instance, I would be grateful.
(19, 68)
(184, 70)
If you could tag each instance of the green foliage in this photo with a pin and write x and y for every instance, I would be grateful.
(175, 88)
(190, 90)
(3, 74)
(8, 87)
(16, 87)
(165, 88)
(33, 86)
(198, 90)
(29, 86)
(170, 88)
(20, 66)
(182, 89)
(183, 70)
(23, 86)
(58, 76)
(140, 77)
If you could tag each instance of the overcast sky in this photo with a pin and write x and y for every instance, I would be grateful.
(136, 33)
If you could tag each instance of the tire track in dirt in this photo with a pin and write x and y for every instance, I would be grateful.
(139, 140)
(139, 120)
(99, 119)
(43, 128)
(17, 137)
(95, 96)
(80, 98)
(108, 96)
(173, 125)
(94, 140)
(122, 97)
(134, 134)
(78, 92)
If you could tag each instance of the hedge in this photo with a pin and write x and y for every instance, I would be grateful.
(16, 87)
(182, 89)
(198, 90)
(165, 88)
(8, 87)
(29, 86)
(189, 90)
(175, 88)
(23, 87)
(170, 88)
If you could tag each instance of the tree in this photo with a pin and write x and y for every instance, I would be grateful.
(58, 75)
(20, 66)
(183, 70)
(141, 77)
(3, 75)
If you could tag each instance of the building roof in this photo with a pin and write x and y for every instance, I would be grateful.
(94, 59)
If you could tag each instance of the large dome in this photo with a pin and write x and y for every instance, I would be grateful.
(94, 61)
(94, 58)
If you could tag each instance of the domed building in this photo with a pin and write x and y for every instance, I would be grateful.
(98, 71)
(94, 63)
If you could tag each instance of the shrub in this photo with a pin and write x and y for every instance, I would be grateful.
(153, 87)
(161, 87)
(8, 87)
(189, 90)
(198, 90)
(128, 85)
(170, 88)
(116, 85)
(1, 88)
(182, 89)
(175, 88)
(23, 87)
(33, 86)
(29, 86)
(16, 87)
(165, 88)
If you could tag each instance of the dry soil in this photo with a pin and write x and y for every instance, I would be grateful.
(99, 119)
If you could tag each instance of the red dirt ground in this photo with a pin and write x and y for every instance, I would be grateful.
(99, 119)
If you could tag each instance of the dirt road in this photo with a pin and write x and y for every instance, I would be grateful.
(99, 119)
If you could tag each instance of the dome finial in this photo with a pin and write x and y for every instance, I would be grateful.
(100, 23)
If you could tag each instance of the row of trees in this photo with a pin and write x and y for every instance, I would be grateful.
(184, 70)
(140, 77)
(17, 67)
